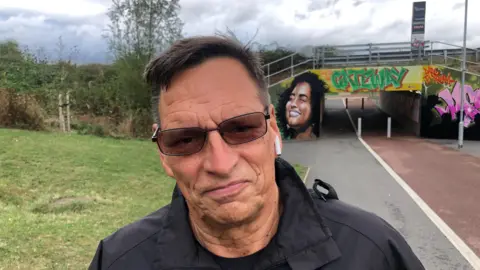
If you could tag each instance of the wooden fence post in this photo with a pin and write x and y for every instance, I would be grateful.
(68, 110)
(61, 118)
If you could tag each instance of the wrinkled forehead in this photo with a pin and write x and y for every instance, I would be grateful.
(213, 91)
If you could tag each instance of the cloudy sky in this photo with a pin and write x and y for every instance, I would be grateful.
(40, 23)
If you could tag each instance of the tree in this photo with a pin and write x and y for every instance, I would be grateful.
(142, 27)
(138, 30)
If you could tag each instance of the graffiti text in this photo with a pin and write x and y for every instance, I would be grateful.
(451, 99)
(433, 75)
(370, 79)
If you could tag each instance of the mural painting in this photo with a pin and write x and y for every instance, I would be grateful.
(299, 101)
(299, 107)
(372, 79)
(441, 104)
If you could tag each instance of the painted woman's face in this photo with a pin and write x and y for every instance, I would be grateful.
(298, 109)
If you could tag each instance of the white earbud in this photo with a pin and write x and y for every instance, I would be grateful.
(278, 149)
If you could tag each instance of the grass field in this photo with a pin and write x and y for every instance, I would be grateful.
(60, 194)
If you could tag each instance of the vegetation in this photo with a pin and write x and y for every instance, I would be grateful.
(112, 96)
(105, 99)
(60, 194)
(301, 170)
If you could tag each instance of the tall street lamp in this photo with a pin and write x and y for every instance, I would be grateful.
(462, 84)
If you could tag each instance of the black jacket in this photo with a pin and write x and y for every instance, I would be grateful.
(316, 231)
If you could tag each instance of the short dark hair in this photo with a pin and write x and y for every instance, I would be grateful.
(190, 52)
(318, 89)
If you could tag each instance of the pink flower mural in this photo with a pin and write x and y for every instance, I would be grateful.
(452, 103)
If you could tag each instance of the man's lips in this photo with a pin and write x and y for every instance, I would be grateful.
(229, 189)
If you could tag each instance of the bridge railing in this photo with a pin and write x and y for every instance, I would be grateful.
(372, 54)
(452, 57)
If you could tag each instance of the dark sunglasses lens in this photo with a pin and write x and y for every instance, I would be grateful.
(244, 128)
(181, 141)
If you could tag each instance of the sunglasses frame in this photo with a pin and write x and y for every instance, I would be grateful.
(206, 131)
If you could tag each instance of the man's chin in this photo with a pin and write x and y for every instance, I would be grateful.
(236, 212)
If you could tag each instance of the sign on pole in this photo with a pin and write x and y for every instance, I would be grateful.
(418, 25)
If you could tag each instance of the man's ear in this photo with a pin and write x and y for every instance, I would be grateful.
(273, 120)
(166, 167)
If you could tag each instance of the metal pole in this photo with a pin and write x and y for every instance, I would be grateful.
(431, 52)
(370, 53)
(464, 66)
(292, 66)
(419, 54)
(268, 74)
(359, 127)
(389, 127)
(323, 56)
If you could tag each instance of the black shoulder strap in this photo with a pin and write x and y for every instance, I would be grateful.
(331, 193)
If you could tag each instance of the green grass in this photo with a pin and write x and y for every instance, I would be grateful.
(301, 170)
(60, 194)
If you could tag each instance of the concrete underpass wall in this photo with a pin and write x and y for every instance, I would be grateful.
(404, 107)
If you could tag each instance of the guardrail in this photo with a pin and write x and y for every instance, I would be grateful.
(434, 52)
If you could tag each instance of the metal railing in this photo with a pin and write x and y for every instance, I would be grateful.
(433, 52)
(472, 60)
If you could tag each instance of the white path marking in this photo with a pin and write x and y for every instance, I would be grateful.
(306, 175)
(456, 241)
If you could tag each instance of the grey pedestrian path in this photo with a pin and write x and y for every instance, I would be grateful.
(469, 147)
(340, 159)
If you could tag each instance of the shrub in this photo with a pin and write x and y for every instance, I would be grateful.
(20, 111)
(132, 125)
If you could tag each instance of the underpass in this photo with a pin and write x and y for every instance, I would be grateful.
(340, 159)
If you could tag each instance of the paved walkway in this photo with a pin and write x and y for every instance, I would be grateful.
(340, 159)
(448, 180)
(469, 147)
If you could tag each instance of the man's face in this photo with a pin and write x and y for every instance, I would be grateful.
(298, 109)
(204, 96)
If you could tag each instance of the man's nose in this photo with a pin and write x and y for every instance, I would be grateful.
(220, 157)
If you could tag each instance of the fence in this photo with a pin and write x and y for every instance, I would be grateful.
(372, 54)
(65, 127)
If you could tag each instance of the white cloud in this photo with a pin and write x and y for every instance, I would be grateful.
(57, 7)
(287, 22)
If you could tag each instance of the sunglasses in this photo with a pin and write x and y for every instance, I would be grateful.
(187, 141)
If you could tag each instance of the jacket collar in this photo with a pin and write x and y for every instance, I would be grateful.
(303, 240)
